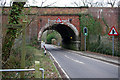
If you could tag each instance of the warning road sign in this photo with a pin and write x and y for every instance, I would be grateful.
(58, 20)
(113, 32)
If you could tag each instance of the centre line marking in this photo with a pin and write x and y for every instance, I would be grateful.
(74, 60)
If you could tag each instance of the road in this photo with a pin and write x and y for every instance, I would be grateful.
(77, 66)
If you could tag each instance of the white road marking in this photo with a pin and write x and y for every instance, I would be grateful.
(94, 59)
(76, 53)
(74, 60)
(60, 66)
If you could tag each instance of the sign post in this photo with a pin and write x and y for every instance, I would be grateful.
(113, 45)
(85, 43)
(85, 34)
(113, 32)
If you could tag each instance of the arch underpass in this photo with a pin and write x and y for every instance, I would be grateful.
(68, 32)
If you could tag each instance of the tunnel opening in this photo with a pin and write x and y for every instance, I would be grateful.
(68, 35)
(52, 37)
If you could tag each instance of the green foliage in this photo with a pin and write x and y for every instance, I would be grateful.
(32, 55)
(29, 56)
(12, 32)
(15, 60)
(50, 37)
(15, 12)
(95, 28)
(34, 42)
(92, 24)
(102, 48)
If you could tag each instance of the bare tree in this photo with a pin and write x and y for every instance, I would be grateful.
(89, 3)
(3, 3)
(42, 3)
(92, 3)
(119, 4)
(99, 4)
(111, 2)
(77, 4)
(85, 2)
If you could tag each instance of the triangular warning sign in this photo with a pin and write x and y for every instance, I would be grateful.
(58, 20)
(113, 32)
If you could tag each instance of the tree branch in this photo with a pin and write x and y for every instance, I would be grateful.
(111, 2)
(50, 4)
(76, 4)
(43, 3)
(3, 3)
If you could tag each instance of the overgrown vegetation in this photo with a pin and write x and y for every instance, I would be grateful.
(34, 42)
(94, 41)
(102, 48)
(12, 32)
(11, 57)
(93, 25)
(53, 35)
(32, 55)
(50, 37)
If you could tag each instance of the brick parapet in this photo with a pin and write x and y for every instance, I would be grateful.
(110, 15)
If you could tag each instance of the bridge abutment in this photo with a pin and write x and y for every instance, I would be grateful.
(73, 45)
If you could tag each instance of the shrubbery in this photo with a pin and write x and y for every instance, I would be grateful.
(95, 28)
(50, 37)
(14, 61)
(102, 48)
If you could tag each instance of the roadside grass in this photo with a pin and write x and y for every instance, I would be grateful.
(45, 62)
(32, 54)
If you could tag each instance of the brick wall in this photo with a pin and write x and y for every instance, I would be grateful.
(110, 15)
(59, 10)
(75, 20)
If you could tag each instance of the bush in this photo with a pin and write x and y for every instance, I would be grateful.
(102, 48)
(14, 61)
(34, 42)
(50, 37)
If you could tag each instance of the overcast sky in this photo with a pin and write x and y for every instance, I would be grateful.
(59, 3)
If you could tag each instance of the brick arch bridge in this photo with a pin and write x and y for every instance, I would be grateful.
(68, 32)
(70, 26)
(65, 21)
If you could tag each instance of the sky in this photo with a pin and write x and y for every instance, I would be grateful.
(59, 3)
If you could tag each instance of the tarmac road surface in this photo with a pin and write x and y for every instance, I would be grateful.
(78, 66)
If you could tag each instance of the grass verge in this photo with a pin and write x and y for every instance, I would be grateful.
(32, 54)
